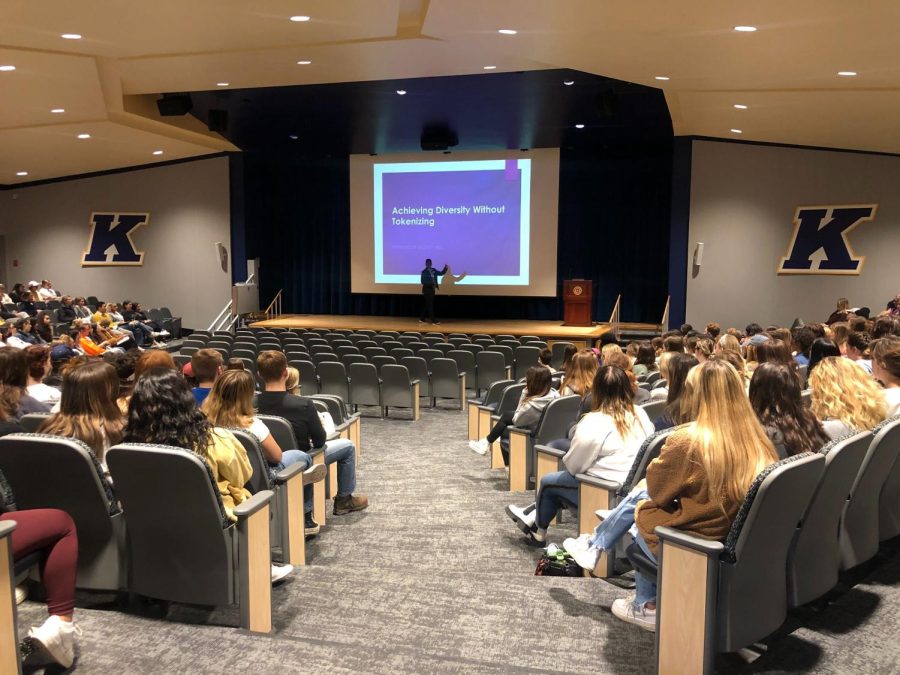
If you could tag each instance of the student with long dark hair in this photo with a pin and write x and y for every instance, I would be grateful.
(789, 424)
(679, 366)
(605, 443)
(821, 348)
(14, 380)
(534, 399)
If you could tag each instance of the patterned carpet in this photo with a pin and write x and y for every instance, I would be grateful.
(434, 577)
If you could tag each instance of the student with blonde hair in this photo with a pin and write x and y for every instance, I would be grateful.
(844, 397)
(580, 375)
(697, 483)
(886, 369)
(703, 349)
(728, 343)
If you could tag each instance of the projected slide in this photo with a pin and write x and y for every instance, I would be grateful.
(471, 215)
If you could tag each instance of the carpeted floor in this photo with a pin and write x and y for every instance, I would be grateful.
(434, 577)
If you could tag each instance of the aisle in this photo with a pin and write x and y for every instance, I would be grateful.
(433, 577)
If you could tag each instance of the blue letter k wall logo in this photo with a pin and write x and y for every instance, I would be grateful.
(110, 242)
(820, 245)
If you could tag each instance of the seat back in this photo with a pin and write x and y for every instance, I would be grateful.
(558, 354)
(337, 407)
(491, 368)
(33, 421)
(814, 558)
(648, 451)
(508, 354)
(889, 504)
(444, 378)
(261, 478)
(309, 381)
(52, 472)
(557, 418)
(430, 354)
(418, 370)
(654, 408)
(859, 522)
(281, 431)
(365, 387)
(465, 362)
(752, 601)
(494, 392)
(509, 400)
(526, 357)
(333, 379)
(395, 386)
(380, 361)
(179, 544)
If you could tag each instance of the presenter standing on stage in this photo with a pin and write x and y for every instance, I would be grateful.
(430, 284)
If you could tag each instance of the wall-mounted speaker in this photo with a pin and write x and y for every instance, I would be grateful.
(171, 105)
(217, 120)
(698, 254)
(222, 256)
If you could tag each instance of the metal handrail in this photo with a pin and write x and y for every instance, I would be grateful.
(221, 319)
(615, 317)
(664, 324)
(274, 309)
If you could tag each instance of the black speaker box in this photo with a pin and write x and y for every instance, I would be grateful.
(217, 120)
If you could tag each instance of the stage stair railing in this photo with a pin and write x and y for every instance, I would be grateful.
(273, 311)
(227, 318)
(664, 324)
(615, 318)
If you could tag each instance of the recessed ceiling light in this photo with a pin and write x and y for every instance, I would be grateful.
(579, 126)
(7, 68)
(58, 110)
(70, 36)
(507, 31)
(662, 78)
(568, 83)
(221, 84)
(299, 18)
(303, 63)
(157, 152)
(847, 73)
(490, 67)
(402, 92)
(83, 136)
(745, 29)
(740, 106)
(737, 131)
(293, 137)
(21, 173)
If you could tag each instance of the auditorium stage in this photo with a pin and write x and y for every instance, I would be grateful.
(550, 330)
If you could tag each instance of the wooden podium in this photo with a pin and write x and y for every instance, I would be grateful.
(578, 296)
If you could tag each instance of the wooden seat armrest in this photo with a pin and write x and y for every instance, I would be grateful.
(258, 501)
(287, 473)
(413, 382)
(705, 546)
(594, 481)
(6, 528)
(547, 450)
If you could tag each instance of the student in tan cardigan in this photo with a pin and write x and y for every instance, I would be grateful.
(696, 484)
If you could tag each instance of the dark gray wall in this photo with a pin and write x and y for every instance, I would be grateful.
(743, 200)
(46, 228)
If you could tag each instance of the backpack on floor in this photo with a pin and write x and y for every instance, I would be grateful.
(558, 564)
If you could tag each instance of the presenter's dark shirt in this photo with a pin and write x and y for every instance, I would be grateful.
(430, 277)
(299, 411)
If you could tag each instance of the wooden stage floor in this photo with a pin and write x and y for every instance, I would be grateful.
(543, 329)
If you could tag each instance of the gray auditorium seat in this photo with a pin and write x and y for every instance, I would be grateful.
(347, 359)
(184, 548)
(491, 367)
(33, 421)
(333, 379)
(737, 590)
(654, 408)
(309, 381)
(889, 504)
(418, 370)
(401, 352)
(859, 535)
(430, 354)
(555, 421)
(398, 389)
(380, 361)
(480, 409)
(51, 472)
(526, 356)
(815, 558)
(558, 353)
(508, 355)
(465, 362)
(509, 401)
(447, 381)
(365, 386)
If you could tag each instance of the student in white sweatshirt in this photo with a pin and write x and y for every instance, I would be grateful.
(535, 398)
(605, 443)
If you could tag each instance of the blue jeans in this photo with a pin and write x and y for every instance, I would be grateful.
(619, 521)
(343, 452)
(289, 458)
(556, 489)
(645, 589)
(140, 331)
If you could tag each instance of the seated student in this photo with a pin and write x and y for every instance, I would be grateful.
(52, 532)
(102, 314)
(534, 399)
(88, 410)
(230, 404)
(841, 313)
(14, 380)
(86, 342)
(46, 292)
(163, 412)
(775, 351)
(66, 311)
(661, 393)
(802, 339)
(885, 326)
(25, 328)
(43, 326)
(787, 421)
(678, 366)
(545, 357)
(143, 334)
(138, 314)
(644, 360)
(301, 413)
(82, 311)
(697, 483)
(713, 329)
(10, 336)
(605, 443)
(674, 343)
(703, 349)
(568, 354)
(116, 338)
(39, 367)
(580, 376)
(62, 349)
(620, 360)
(857, 350)
(728, 343)
(844, 398)
(26, 303)
(206, 366)
(886, 369)
(146, 362)
(821, 348)
(125, 365)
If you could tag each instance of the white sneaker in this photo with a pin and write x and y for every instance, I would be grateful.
(279, 572)
(538, 535)
(523, 518)
(164, 333)
(624, 609)
(582, 551)
(480, 446)
(21, 594)
(53, 641)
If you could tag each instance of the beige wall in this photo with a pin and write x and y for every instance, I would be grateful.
(46, 228)
(743, 199)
